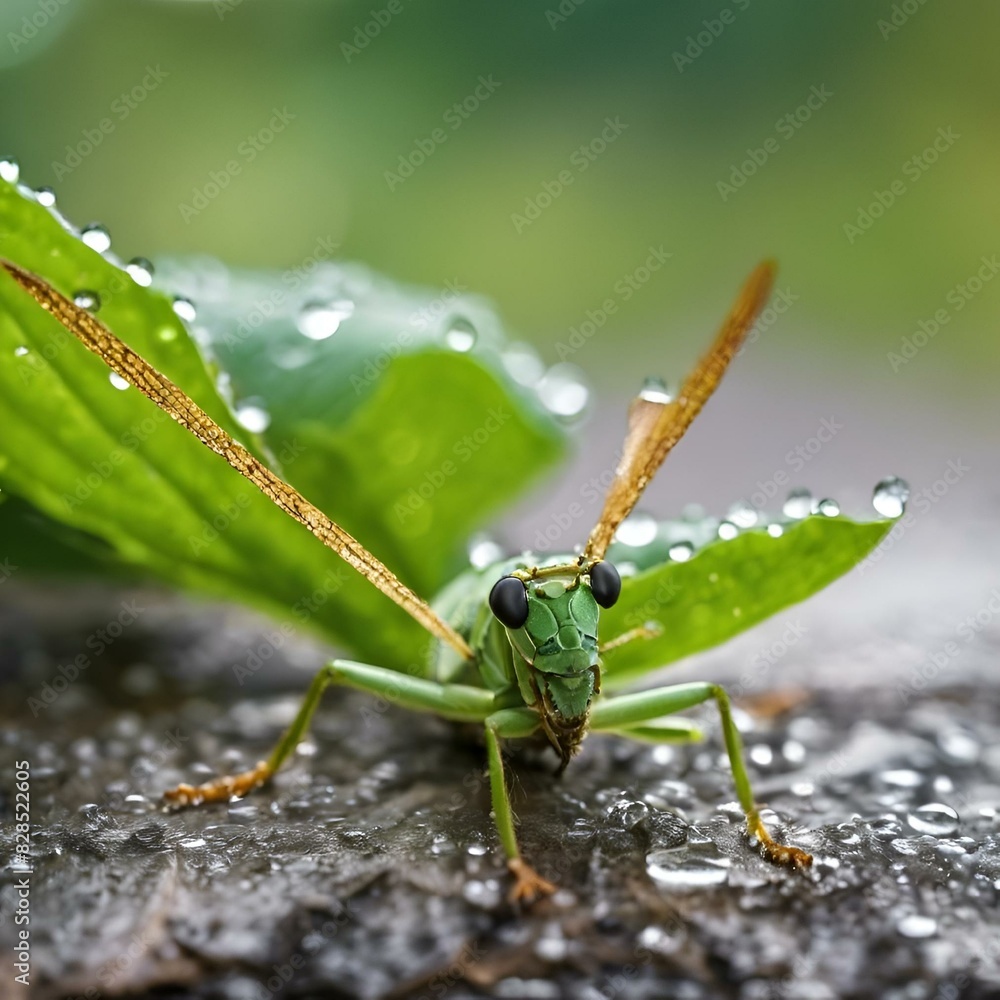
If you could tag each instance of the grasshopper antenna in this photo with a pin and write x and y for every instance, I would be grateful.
(657, 423)
(168, 397)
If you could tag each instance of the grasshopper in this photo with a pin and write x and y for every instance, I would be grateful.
(517, 647)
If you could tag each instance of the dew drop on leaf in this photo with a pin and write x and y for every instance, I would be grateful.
(96, 237)
(9, 170)
(523, 364)
(562, 392)
(484, 551)
(828, 508)
(742, 515)
(637, 529)
(775, 530)
(681, 551)
(460, 335)
(117, 381)
(320, 320)
(728, 531)
(253, 417)
(45, 196)
(185, 309)
(890, 496)
(798, 504)
(86, 299)
(20, 352)
(140, 271)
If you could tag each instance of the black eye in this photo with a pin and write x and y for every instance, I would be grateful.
(605, 584)
(509, 601)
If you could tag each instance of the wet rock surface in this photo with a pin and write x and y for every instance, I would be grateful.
(370, 868)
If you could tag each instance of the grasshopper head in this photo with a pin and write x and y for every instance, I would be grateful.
(550, 616)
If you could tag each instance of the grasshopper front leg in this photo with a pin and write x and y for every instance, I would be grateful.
(629, 712)
(453, 701)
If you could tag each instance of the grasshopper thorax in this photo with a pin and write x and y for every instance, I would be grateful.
(550, 615)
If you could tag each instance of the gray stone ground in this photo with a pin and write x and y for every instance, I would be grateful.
(371, 868)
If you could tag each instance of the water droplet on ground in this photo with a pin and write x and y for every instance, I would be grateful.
(798, 504)
(678, 871)
(917, 926)
(140, 271)
(321, 320)
(627, 814)
(935, 819)
(96, 237)
(890, 496)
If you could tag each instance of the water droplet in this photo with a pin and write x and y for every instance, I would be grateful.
(742, 515)
(167, 333)
(562, 392)
(793, 751)
(828, 508)
(901, 778)
(523, 364)
(936, 819)
(637, 529)
(320, 320)
(627, 814)
(45, 196)
(460, 335)
(253, 416)
(890, 496)
(485, 894)
(681, 551)
(728, 531)
(184, 308)
(87, 300)
(798, 504)
(679, 873)
(775, 530)
(20, 352)
(483, 551)
(117, 381)
(193, 842)
(654, 390)
(761, 754)
(9, 170)
(917, 926)
(96, 237)
(959, 746)
(140, 271)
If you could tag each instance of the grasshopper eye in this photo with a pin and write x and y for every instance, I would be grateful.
(509, 601)
(605, 584)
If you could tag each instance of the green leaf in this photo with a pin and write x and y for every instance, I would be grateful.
(725, 588)
(107, 463)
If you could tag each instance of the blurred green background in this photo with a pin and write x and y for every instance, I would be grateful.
(695, 97)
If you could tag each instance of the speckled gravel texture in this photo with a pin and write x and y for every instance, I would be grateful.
(370, 868)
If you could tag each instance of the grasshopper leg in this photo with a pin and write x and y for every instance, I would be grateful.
(628, 712)
(454, 701)
(650, 630)
(512, 723)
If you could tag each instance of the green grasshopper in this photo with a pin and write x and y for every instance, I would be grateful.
(517, 645)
